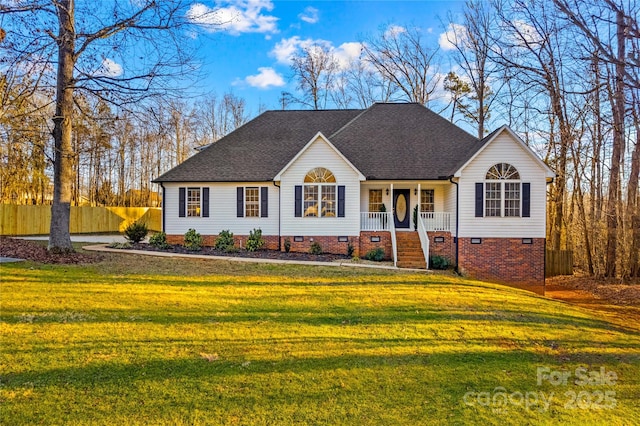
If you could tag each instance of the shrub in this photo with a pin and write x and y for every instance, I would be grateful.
(315, 248)
(224, 241)
(350, 250)
(159, 240)
(376, 254)
(136, 232)
(192, 240)
(438, 262)
(287, 245)
(255, 240)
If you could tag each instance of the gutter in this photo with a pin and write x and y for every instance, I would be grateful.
(455, 239)
(279, 214)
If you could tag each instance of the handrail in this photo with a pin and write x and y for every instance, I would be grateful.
(375, 221)
(394, 246)
(437, 221)
(424, 240)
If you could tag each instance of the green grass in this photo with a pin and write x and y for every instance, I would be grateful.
(138, 340)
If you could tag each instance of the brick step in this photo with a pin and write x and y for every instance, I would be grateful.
(411, 265)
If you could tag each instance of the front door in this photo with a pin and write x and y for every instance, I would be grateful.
(401, 214)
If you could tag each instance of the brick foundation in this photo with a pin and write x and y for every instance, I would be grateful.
(445, 249)
(385, 242)
(270, 241)
(504, 260)
(328, 244)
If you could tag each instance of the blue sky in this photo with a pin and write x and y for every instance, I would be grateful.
(249, 48)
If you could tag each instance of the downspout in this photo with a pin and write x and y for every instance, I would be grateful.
(164, 205)
(456, 240)
(279, 215)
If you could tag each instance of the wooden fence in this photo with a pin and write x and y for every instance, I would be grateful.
(558, 262)
(35, 220)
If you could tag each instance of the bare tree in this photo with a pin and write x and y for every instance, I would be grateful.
(315, 69)
(92, 54)
(400, 55)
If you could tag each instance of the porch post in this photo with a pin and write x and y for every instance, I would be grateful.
(419, 199)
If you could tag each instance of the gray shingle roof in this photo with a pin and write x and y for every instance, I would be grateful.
(385, 142)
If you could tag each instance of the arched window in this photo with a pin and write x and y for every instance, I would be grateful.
(502, 190)
(319, 193)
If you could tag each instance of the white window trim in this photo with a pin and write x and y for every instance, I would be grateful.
(187, 198)
(259, 189)
(318, 187)
(502, 197)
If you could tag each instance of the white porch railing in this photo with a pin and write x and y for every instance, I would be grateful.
(379, 221)
(437, 221)
(424, 239)
(370, 221)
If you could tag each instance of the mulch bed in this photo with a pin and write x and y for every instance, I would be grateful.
(31, 250)
(258, 254)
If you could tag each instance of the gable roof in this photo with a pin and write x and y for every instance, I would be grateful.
(387, 141)
(319, 136)
(492, 136)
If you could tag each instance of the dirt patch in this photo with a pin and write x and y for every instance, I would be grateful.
(619, 301)
(30, 250)
(258, 254)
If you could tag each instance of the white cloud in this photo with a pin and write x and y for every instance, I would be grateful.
(393, 30)
(347, 53)
(455, 34)
(287, 48)
(526, 33)
(109, 68)
(235, 16)
(310, 15)
(266, 78)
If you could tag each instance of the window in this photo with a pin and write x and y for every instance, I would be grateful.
(502, 190)
(252, 202)
(375, 200)
(319, 198)
(427, 203)
(193, 202)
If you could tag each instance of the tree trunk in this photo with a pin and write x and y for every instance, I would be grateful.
(633, 202)
(59, 238)
(617, 104)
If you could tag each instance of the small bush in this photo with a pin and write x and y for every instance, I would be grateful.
(255, 240)
(225, 242)
(438, 262)
(287, 245)
(315, 248)
(376, 254)
(350, 250)
(136, 232)
(159, 240)
(192, 240)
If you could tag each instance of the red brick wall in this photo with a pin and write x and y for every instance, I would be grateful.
(328, 244)
(504, 260)
(385, 242)
(270, 241)
(445, 249)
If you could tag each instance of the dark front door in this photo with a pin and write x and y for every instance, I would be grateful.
(401, 213)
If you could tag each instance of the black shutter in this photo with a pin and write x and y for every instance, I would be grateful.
(205, 202)
(182, 195)
(264, 201)
(298, 200)
(341, 201)
(479, 199)
(240, 202)
(526, 200)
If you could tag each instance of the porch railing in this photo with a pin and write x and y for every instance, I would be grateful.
(375, 221)
(437, 221)
(424, 240)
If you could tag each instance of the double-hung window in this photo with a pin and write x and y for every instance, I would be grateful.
(252, 202)
(319, 193)
(375, 200)
(502, 191)
(193, 202)
(427, 203)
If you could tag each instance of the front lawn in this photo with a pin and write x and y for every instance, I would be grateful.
(138, 340)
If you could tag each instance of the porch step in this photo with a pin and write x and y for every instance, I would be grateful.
(409, 251)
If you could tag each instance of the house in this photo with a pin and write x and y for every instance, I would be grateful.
(355, 177)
